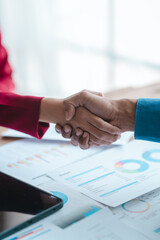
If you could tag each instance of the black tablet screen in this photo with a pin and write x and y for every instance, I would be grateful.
(20, 201)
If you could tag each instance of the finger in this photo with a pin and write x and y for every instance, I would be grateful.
(104, 126)
(69, 109)
(77, 100)
(67, 131)
(75, 140)
(100, 142)
(93, 144)
(96, 93)
(76, 136)
(79, 140)
(101, 135)
(78, 132)
(84, 141)
(58, 128)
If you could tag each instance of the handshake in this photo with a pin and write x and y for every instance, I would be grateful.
(89, 118)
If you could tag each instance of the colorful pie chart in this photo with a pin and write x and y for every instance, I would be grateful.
(151, 155)
(136, 206)
(131, 166)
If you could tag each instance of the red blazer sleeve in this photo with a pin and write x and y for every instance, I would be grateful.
(17, 112)
(22, 113)
(6, 81)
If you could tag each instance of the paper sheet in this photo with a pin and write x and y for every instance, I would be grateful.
(51, 134)
(142, 213)
(80, 218)
(99, 226)
(30, 158)
(95, 226)
(76, 206)
(115, 176)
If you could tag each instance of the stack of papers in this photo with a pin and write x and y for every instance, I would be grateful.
(124, 177)
(80, 218)
(115, 176)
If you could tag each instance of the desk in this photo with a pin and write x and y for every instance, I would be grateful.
(5, 140)
(149, 91)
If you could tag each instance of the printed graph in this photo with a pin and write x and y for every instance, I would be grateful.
(136, 206)
(32, 233)
(76, 216)
(131, 166)
(157, 231)
(47, 156)
(152, 155)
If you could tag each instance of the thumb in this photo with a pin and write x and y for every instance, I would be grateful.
(79, 99)
(100, 94)
(71, 103)
(69, 110)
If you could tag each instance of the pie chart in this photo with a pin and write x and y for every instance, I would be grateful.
(152, 155)
(136, 206)
(131, 166)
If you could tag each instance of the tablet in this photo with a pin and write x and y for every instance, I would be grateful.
(21, 205)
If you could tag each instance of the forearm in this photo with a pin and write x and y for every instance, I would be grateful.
(124, 113)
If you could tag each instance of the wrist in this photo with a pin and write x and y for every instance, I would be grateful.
(125, 110)
(51, 110)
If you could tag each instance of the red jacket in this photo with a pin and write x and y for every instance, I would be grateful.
(18, 112)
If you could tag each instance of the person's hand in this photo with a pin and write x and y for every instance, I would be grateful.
(120, 113)
(79, 136)
(52, 110)
(81, 99)
(95, 126)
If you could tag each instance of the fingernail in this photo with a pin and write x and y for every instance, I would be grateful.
(67, 115)
(66, 130)
(78, 133)
(58, 131)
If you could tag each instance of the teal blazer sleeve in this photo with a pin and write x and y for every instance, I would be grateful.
(147, 119)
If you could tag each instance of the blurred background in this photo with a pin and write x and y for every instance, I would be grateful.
(59, 47)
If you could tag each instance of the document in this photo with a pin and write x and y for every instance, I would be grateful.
(99, 226)
(80, 218)
(28, 159)
(115, 176)
(142, 213)
(51, 134)
(76, 206)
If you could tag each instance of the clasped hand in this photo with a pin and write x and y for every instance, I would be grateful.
(88, 118)
(91, 120)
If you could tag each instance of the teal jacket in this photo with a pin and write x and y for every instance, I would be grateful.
(147, 119)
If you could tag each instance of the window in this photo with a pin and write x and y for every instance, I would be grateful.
(59, 47)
